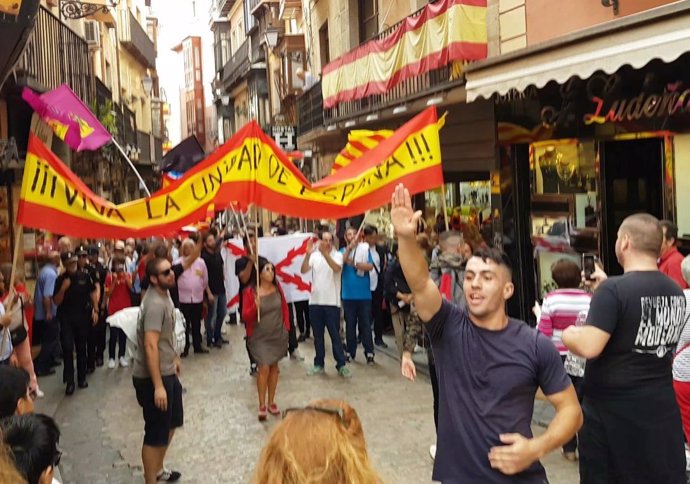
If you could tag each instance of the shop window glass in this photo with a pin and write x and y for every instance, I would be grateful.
(681, 155)
(565, 216)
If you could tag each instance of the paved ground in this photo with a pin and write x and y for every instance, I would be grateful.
(102, 426)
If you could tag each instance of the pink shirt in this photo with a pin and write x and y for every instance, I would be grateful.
(560, 310)
(193, 282)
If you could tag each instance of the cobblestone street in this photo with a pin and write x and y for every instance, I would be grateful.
(221, 440)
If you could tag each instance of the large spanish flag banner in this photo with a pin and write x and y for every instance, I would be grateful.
(444, 32)
(248, 169)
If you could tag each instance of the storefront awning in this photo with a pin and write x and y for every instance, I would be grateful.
(661, 33)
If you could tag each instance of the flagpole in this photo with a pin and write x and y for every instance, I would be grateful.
(117, 145)
(258, 280)
(444, 205)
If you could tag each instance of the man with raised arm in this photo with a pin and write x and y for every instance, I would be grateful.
(489, 367)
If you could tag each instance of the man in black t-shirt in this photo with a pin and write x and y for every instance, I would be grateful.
(632, 431)
(245, 270)
(96, 344)
(76, 300)
(217, 306)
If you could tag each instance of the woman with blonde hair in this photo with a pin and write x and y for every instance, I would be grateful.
(321, 443)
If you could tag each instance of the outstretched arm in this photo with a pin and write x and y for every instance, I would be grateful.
(405, 220)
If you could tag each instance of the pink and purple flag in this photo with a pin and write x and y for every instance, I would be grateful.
(69, 118)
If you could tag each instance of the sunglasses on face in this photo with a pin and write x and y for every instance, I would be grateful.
(58, 456)
(165, 273)
(338, 412)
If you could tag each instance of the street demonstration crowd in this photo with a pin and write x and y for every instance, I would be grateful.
(609, 353)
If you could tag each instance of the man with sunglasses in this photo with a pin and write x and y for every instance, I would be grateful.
(156, 370)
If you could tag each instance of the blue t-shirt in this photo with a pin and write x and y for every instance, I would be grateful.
(487, 384)
(45, 287)
(355, 287)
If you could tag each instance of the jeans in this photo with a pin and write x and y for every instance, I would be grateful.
(322, 318)
(358, 316)
(215, 317)
(303, 319)
(117, 337)
(192, 316)
(578, 384)
(75, 333)
(50, 344)
(96, 341)
(292, 335)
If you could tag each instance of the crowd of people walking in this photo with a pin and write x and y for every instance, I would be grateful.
(608, 353)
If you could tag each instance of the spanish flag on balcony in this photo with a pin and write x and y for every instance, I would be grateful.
(444, 32)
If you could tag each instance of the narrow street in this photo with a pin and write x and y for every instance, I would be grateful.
(102, 426)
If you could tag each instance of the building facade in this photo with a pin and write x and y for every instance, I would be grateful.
(192, 101)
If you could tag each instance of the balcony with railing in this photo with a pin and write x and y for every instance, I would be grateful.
(223, 7)
(144, 148)
(254, 5)
(135, 39)
(238, 66)
(290, 9)
(310, 109)
(56, 55)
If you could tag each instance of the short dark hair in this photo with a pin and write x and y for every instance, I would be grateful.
(566, 274)
(370, 230)
(152, 267)
(13, 385)
(494, 255)
(33, 443)
(671, 230)
(323, 232)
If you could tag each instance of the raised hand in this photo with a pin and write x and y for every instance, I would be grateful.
(405, 220)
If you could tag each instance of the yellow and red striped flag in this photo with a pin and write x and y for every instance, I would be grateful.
(359, 142)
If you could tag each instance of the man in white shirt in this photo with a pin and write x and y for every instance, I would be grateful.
(325, 264)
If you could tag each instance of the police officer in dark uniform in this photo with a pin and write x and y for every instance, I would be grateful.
(76, 300)
(96, 344)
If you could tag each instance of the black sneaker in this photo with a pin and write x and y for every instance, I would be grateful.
(69, 390)
(381, 344)
(83, 384)
(168, 475)
(253, 370)
(301, 338)
(218, 344)
(370, 360)
(99, 362)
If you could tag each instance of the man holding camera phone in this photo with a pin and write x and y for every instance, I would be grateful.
(632, 430)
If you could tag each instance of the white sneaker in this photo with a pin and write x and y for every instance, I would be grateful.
(432, 452)
(123, 362)
(39, 393)
(111, 363)
(296, 355)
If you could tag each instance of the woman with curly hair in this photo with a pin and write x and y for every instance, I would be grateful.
(322, 443)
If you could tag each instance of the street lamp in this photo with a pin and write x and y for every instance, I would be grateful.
(147, 84)
(271, 37)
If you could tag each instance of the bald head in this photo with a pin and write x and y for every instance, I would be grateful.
(644, 232)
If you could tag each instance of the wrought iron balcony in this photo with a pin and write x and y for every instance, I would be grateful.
(144, 148)
(310, 109)
(135, 39)
(223, 6)
(238, 66)
(254, 5)
(56, 55)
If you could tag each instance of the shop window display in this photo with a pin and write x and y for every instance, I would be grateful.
(565, 216)
(469, 208)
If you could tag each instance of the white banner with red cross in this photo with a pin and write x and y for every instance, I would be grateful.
(286, 253)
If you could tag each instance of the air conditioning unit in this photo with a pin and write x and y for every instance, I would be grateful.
(92, 32)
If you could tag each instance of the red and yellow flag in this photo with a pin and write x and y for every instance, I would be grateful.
(248, 169)
(444, 32)
(359, 142)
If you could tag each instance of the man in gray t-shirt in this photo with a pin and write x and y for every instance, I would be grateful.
(156, 370)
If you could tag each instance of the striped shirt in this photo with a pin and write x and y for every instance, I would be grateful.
(681, 362)
(560, 310)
